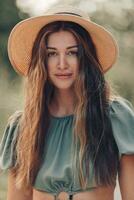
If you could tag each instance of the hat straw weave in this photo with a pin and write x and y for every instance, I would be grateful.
(22, 37)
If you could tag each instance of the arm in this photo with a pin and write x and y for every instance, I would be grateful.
(126, 177)
(15, 194)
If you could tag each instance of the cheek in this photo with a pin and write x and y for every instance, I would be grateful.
(49, 71)
(75, 65)
(72, 60)
(52, 61)
(51, 64)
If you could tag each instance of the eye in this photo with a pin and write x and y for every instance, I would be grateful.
(51, 54)
(72, 53)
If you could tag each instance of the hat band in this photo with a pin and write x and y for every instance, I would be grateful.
(69, 13)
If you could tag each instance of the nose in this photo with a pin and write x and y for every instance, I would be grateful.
(62, 62)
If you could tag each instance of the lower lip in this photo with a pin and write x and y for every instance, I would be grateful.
(64, 77)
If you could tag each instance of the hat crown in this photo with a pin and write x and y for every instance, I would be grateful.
(23, 35)
(67, 9)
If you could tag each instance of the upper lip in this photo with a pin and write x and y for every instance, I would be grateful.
(63, 74)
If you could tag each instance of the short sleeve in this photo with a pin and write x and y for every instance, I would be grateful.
(7, 144)
(122, 119)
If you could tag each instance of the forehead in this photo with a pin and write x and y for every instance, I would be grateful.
(61, 38)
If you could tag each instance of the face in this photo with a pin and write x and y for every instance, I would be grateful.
(62, 64)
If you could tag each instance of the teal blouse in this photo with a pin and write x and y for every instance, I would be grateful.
(56, 173)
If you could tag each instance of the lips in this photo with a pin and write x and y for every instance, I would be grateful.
(64, 76)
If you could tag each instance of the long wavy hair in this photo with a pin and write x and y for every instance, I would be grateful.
(92, 126)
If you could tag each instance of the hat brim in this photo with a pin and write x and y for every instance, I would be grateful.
(23, 35)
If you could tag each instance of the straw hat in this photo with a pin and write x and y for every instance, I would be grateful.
(22, 37)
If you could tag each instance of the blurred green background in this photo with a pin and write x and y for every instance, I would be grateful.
(115, 15)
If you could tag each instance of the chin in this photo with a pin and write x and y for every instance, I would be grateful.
(63, 87)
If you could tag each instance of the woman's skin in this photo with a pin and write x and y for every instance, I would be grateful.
(63, 59)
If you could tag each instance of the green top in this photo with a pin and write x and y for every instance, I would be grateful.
(56, 173)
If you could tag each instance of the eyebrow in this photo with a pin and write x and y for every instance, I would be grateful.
(69, 47)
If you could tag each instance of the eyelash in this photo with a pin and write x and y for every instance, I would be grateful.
(51, 54)
(54, 53)
(73, 52)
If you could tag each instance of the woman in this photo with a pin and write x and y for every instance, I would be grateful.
(73, 136)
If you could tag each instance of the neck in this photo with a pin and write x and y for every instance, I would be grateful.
(63, 102)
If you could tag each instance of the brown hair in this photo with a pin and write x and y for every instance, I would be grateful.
(91, 111)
